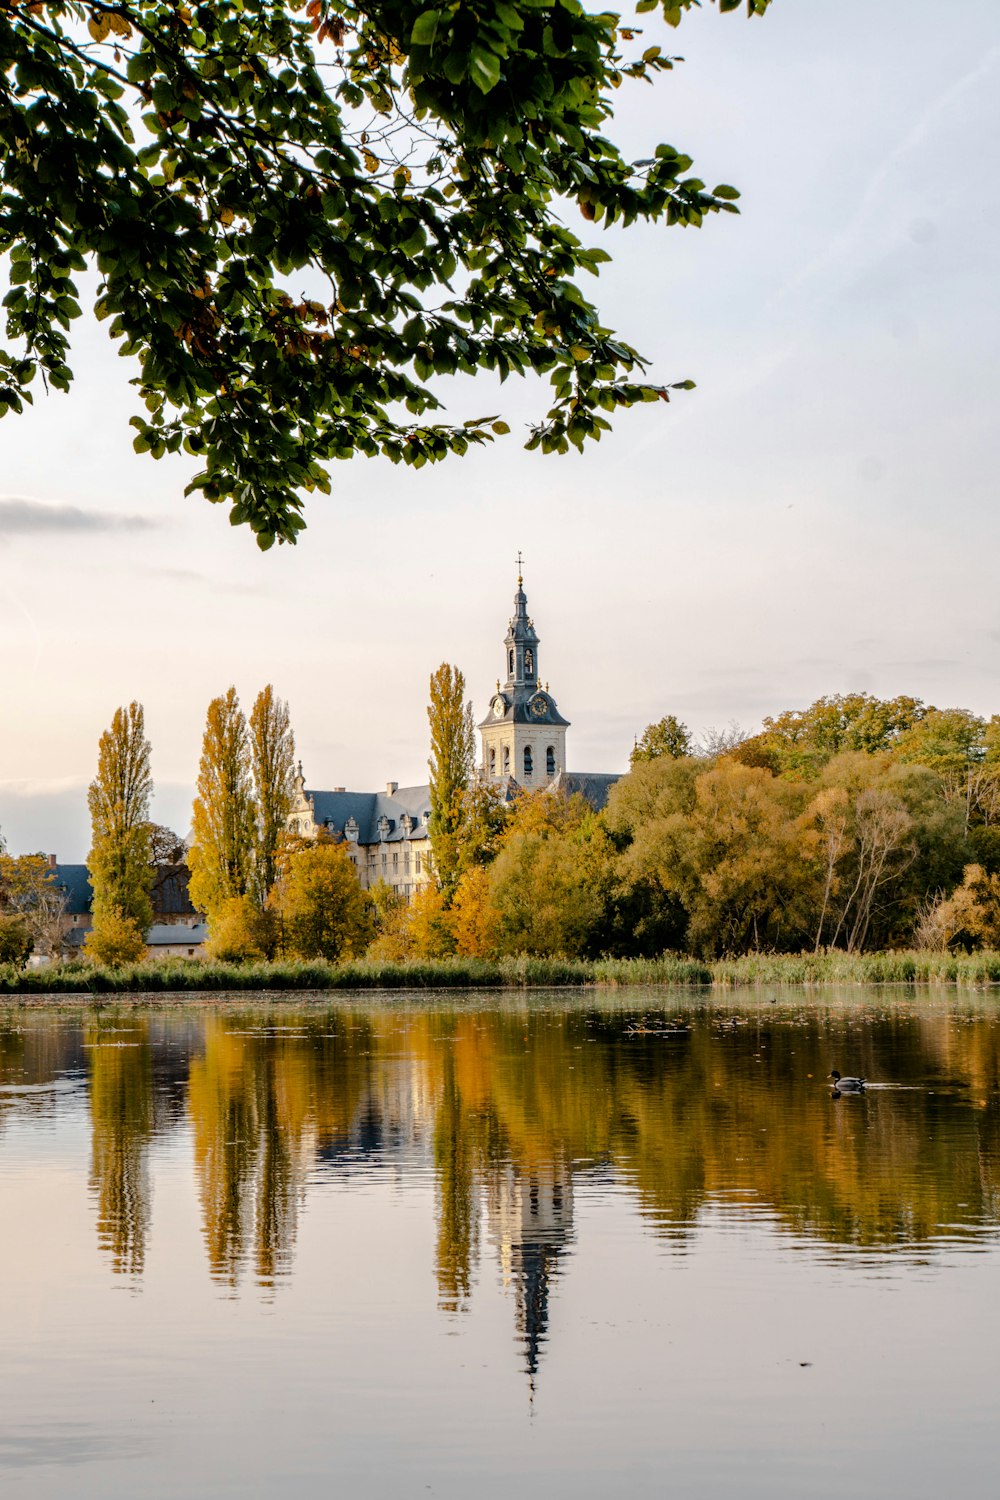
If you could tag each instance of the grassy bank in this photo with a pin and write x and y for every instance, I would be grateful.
(179, 976)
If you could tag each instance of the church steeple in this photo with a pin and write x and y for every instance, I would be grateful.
(524, 734)
(521, 641)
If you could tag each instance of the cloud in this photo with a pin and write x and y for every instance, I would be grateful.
(32, 518)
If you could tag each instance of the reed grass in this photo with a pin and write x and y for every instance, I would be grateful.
(176, 976)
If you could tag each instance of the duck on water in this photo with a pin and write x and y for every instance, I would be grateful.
(846, 1085)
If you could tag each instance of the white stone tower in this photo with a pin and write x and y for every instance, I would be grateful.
(523, 734)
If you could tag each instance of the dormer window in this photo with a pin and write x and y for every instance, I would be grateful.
(407, 823)
(384, 826)
(351, 830)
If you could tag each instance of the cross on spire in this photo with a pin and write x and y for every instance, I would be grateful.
(520, 564)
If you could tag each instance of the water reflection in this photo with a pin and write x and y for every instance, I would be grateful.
(512, 1111)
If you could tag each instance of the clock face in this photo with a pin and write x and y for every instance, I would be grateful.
(499, 708)
(538, 706)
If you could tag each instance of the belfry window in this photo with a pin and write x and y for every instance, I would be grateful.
(529, 663)
(510, 663)
(527, 760)
(493, 761)
(506, 760)
(550, 761)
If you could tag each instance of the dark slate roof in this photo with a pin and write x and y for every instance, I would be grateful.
(75, 881)
(170, 892)
(592, 785)
(334, 810)
(517, 700)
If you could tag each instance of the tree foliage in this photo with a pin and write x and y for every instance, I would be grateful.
(272, 756)
(120, 860)
(115, 939)
(31, 898)
(668, 736)
(451, 768)
(321, 907)
(223, 822)
(300, 213)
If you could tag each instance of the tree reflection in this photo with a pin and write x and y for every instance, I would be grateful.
(121, 1112)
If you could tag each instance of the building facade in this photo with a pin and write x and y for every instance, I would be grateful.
(523, 739)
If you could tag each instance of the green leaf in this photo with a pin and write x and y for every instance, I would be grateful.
(425, 28)
(484, 69)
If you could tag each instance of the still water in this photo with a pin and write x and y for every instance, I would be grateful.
(483, 1246)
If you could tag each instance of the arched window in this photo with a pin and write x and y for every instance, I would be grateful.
(550, 761)
(527, 760)
(510, 663)
(493, 761)
(529, 663)
(506, 760)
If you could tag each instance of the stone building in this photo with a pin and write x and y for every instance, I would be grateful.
(178, 931)
(523, 741)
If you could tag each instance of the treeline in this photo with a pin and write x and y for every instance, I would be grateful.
(853, 825)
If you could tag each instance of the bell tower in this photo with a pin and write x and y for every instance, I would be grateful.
(523, 734)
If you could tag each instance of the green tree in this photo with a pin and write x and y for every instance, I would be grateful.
(803, 741)
(120, 860)
(224, 816)
(666, 737)
(16, 941)
(542, 886)
(410, 166)
(322, 908)
(272, 753)
(450, 766)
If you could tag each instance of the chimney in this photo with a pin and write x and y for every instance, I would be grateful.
(53, 862)
(391, 788)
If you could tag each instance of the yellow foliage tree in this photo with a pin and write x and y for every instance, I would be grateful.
(240, 930)
(474, 920)
(116, 940)
(120, 862)
(223, 817)
(322, 909)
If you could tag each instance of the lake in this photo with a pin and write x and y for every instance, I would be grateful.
(583, 1245)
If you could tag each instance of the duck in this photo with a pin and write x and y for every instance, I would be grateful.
(847, 1085)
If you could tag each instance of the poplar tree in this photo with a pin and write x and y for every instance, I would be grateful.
(223, 817)
(451, 767)
(272, 754)
(119, 863)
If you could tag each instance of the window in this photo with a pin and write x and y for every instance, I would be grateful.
(527, 760)
(550, 761)
(510, 663)
(506, 760)
(406, 863)
(493, 761)
(529, 663)
(395, 860)
(417, 863)
(384, 861)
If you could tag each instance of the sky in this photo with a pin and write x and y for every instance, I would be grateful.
(818, 516)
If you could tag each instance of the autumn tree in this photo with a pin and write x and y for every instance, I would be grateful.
(541, 886)
(120, 865)
(321, 906)
(668, 736)
(451, 768)
(300, 216)
(32, 900)
(272, 758)
(224, 816)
